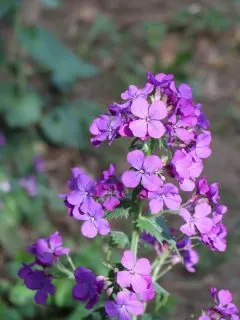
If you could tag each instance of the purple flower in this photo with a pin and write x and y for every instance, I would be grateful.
(104, 128)
(203, 141)
(160, 79)
(110, 189)
(80, 198)
(37, 280)
(125, 305)
(29, 184)
(198, 220)
(166, 194)
(224, 308)
(133, 92)
(136, 273)
(39, 164)
(48, 250)
(88, 287)
(182, 162)
(145, 169)
(149, 118)
(216, 237)
(190, 256)
(94, 222)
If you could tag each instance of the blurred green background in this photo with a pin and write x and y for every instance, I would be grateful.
(62, 62)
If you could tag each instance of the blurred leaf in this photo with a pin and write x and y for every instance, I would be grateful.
(119, 239)
(162, 296)
(146, 317)
(63, 295)
(6, 5)
(68, 125)
(153, 33)
(79, 313)
(25, 111)
(47, 50)
(9, 313)
(20, 295)
(51, 4)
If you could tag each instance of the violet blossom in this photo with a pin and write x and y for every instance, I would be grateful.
(145, 171)
(136, 273)
(48, 250)
(149, 118)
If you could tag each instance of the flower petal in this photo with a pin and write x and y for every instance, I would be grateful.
(131, 179)
(128, 260)
(156, 129)
(139, 128)
(136, 159)
(157, 110)
(140, 107)
(89, 230)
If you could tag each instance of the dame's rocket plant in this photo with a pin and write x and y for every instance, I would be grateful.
(169, 141)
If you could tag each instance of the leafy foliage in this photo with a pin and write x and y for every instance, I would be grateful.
(118, 213)
(119, 239)
(55, 124)
(47, 50)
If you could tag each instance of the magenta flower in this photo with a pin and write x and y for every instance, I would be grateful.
(48, 250)
(149, 118)
(136, 274)
(88, 286)
(38, 281)
(94, 222)
(166, 194)
(29, 184)
(215, 239)
(202, 149)
(125, 305)
(224, 308)
(198, 220)
(109, 189)
(133, 92)
(189, 255)
(80, 198)
(104, 128)
(145, 171)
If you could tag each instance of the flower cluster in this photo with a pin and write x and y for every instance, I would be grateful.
(46, 252)
(88, 198)
(169, 141)
(223, 309)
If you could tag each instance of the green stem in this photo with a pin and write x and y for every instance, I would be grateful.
(164, 272)
(71, 262)
(65, 270)
(158, 264)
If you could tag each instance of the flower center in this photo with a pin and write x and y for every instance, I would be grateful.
(92, 218)
(147, 119)
(141, 171)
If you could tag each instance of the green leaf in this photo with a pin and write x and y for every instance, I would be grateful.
(146, 317)
(119, 239)
(20, 295)
(79, 313)
(63, 296)
(6, 5)
(68, 125)
(118, 213)
(162, 296)
(47, 50)
(24, 112)
(149, 225)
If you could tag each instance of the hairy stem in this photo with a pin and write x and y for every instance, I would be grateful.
(71, 262)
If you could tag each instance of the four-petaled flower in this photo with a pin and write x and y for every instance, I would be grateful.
(88, 286)
(136, 274)
(94, 222)
(47, 250)
(198, 220)
(145, 171)
(124, 305)
(149, 118)
(166, 194)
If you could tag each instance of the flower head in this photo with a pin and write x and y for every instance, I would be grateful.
(124, 305)
(94, 222)
(148, 122)
(136, 273)
(145, 169)
(48, 250)
(37, 280)
(88, 286)
(198, 221)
